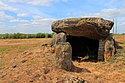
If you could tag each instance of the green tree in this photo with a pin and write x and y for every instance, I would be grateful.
(46, 35)
(40, 35)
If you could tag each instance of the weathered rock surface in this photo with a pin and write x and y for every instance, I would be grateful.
(60, 37)
(64, 55)
(94, 28)
(109, 48)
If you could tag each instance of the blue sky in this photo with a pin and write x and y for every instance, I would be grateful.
(33, 16)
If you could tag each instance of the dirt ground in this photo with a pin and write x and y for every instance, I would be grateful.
(32, 61)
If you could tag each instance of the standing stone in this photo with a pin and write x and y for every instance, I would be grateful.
(60, 37)
(109, 47)
(101, 50)
(64, 55)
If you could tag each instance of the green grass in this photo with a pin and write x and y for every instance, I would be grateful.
(3, 49)
(9, 48)
(123, 42)
(1, 60)
(119, 56)
(123, 60)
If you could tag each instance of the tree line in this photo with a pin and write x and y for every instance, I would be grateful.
(25, 36)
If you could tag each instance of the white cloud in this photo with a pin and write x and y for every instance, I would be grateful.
(18, 20)
(22, 15)
(108, 13)
(36, 17)
(33, 28)
(118, 3)
(4, 6)
(124, 3)
(34, 2)
(38, 24)
(4, 16)
(111, 13)
(1, 23)
(2, 13)
(121, 21)
(38, 2)
(43, 21)
(64, 0)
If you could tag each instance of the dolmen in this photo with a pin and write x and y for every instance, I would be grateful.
(76, 37)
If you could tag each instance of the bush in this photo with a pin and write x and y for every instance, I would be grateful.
(46, 35)
(23, 36)
(40, 35)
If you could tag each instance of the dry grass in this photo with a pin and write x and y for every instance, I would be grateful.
(28, 60)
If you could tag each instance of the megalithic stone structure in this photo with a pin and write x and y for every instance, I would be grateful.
(88, 32)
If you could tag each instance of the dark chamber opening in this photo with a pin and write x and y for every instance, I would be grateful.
(82, 47)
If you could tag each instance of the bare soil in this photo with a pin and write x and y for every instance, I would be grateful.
(32, 61)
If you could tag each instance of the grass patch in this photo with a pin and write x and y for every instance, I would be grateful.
(123, 60)
(123, 42)
(8, 53)
(122, 71)
(3, 49)
(1, 63)
(13, 48)
(119, 56)
(120, 52)
(1, 60)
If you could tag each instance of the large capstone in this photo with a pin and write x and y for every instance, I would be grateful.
(93, 28)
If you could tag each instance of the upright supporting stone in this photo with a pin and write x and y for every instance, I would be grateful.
(64, 55)
(109, 47)
(60, 37)
(101, 50)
